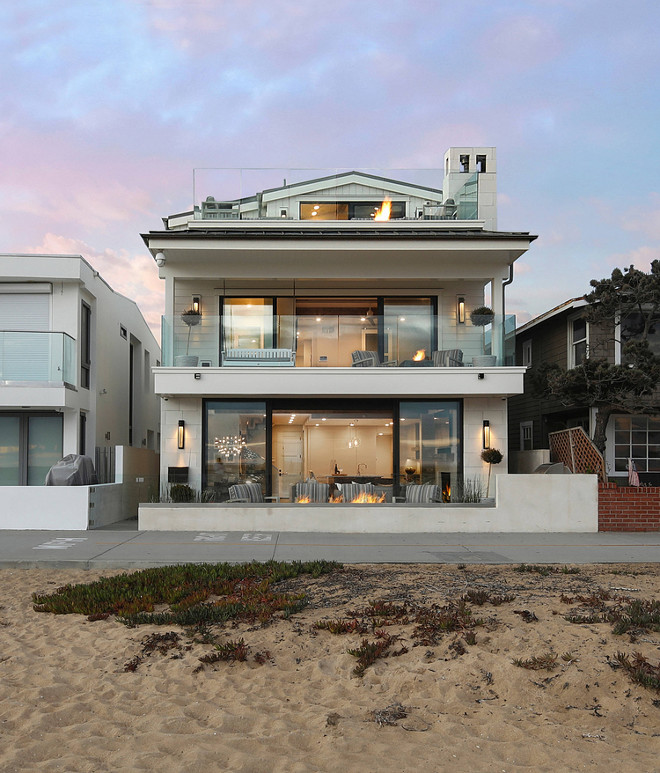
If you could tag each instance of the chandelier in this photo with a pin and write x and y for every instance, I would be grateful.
(229, 446)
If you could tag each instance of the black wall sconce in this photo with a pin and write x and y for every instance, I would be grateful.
(486, 434)
(181, 435)
(197, 304)
(460, 311)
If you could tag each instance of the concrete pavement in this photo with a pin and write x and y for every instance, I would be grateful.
(126, 548)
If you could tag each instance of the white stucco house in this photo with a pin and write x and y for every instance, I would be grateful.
(333, 339)
(76, 377)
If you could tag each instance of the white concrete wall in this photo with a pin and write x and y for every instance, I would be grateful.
(525, 503)
(58, 507)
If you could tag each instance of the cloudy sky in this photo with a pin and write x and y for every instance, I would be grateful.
(108, 105)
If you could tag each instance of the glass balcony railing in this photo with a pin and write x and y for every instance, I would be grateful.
(329, 341)
(36, 356)
(248, 194)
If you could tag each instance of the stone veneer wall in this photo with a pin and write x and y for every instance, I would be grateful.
(628, 508)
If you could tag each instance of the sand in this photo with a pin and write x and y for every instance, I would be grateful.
(68, 704)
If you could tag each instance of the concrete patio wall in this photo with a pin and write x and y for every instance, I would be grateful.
(525, 503)
(58, 507)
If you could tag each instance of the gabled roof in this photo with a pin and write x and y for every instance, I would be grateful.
(573, 303)
(346, 178)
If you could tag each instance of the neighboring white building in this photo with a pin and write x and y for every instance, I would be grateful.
(76, 363)
(293, 283)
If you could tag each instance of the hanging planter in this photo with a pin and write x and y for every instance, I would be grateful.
(481, 316)
(191, 318)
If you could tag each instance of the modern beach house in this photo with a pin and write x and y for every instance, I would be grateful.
(320, 330)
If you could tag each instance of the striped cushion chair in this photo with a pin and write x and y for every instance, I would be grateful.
(364, 359)
(312, 489)
(249, 492)
(447, 358)
(417, 493)
(350, 491)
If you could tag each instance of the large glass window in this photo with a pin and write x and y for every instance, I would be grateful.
(332, 444)
(247, 323)
(408, 329)
(9, 451)
(235, 436)
(349, 210)
(632, 329)
(29, 446)
(85, 345)
(430, 444)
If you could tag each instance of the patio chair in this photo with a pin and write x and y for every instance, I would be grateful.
(365, 359)
(447, 358)
(421, 493)
(350, 491)
(249, 492)
(312, 489)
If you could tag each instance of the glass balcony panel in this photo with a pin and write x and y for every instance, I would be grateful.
(328, 341)
(37, 356)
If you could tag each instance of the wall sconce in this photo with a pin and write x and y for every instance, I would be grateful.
(181, 435)
(197, 304)
(460, 311)
(486, 434)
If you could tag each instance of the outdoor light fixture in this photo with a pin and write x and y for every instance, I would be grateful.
(160, 259)
(196, 304)
(181, 435)
(481, 376)
(486, 431)
(198, 376)
(460, 311)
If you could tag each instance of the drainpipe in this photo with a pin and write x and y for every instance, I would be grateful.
(505, 282)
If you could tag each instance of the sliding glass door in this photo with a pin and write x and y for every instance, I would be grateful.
(30, 444)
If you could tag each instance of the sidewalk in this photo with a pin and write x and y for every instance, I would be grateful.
(131, 549)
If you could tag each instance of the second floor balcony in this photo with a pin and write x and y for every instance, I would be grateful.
(39, 357)
(335, 341)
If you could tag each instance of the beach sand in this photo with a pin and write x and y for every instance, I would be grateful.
(68, 704)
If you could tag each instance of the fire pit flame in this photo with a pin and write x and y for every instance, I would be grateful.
(419, 355)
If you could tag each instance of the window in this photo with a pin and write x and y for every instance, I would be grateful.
(578, 342)
(632, 328)
(527, 353)
(481, 163)
(123, 332)
(464, 162)
(31, 445)
(637, 438)
(526, 435)
(349, 210)
(85, 345)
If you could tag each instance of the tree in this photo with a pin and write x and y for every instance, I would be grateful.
(630, 299)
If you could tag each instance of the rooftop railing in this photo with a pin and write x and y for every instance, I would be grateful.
(329, 340)
(37, 356)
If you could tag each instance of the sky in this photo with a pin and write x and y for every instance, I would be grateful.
(107, 106)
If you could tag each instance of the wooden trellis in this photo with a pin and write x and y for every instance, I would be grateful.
(574, 448)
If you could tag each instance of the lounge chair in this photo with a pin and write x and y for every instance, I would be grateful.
(312, 490)
(448, 358)
(249, 492)
(365, 359)
(418, 493)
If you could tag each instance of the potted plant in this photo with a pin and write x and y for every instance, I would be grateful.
(482, 316)
(491, 456)
(190, 318)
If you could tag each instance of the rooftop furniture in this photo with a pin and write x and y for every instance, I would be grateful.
(448, 358)
(421, 493)
(248, 492)
(253, 357)
(365, 359)
(312, 490)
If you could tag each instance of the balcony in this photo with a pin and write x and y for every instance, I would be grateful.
(39, 357)
(308, 341)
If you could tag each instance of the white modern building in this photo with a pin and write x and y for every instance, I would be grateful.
(333, 338)
(76, 363)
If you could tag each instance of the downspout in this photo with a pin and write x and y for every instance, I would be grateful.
(505, 282)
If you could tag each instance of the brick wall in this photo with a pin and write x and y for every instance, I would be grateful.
(628, 508)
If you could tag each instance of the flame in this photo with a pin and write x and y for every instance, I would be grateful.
(384, 212)
(360, 499)
(304, 500)
(419, 355)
